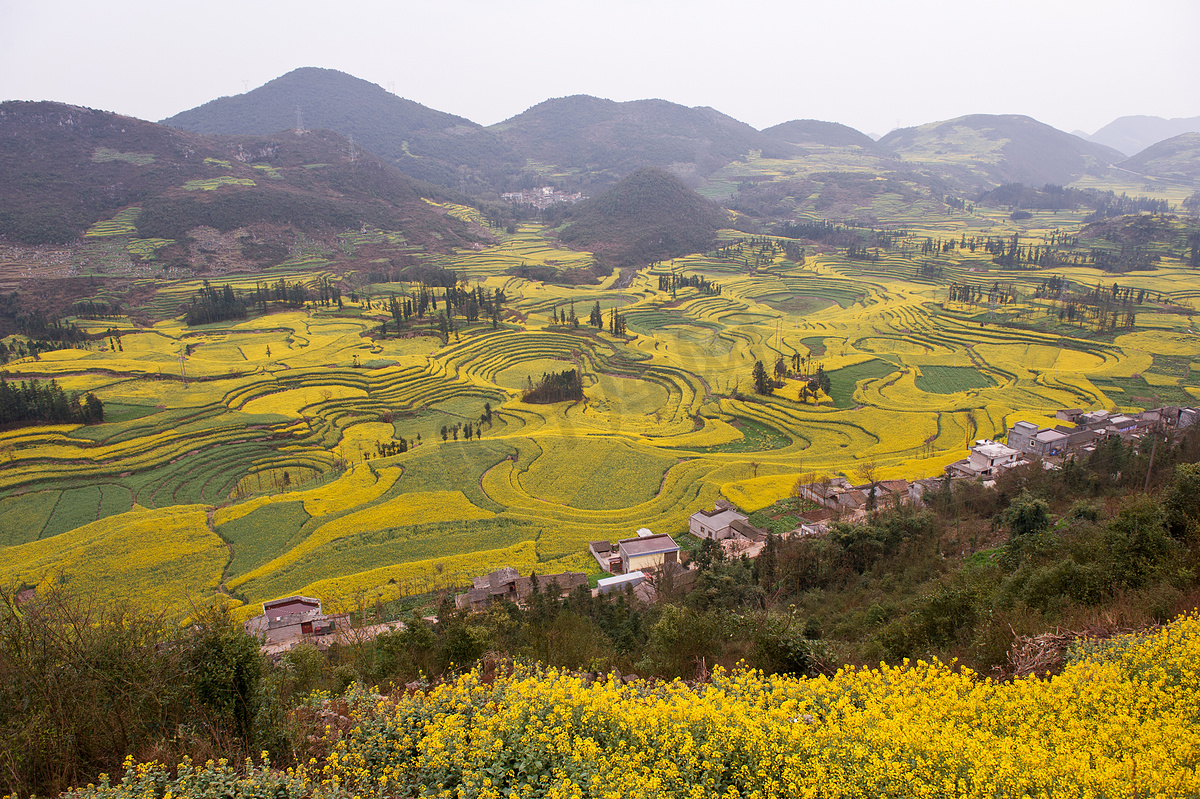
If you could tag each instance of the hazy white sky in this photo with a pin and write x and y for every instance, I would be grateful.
(871, 64)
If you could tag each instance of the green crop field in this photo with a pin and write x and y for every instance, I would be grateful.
(948, 379)
(266, 448)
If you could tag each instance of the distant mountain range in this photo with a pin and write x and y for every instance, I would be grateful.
(584, 143)
(1133, 134)
(319, 149)
(603, 141)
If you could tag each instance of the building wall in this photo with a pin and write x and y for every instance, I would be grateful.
(655, 560)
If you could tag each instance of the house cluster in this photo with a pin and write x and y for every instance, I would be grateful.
(286, 622)
(837, 496)
(542, 197)
(1079, 434)
(507, 585)
(1081, 430)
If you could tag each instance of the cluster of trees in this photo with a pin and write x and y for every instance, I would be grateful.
(468, 429)
(90, 309)
(755, 251)
(857, 252)
(1055, 287)
(35, 347)
(83, 684)
(15, 317)
(470, 304)
(1130, 258)
(1108, 308)
(616, 322)
(564, 386)
(211, 304)
(839, 235)
(1051, 197)
(997, 294)
(36, 402)
(1110, 204)
(675, 281)
(765, 383)
(384, 449)
(567, 317)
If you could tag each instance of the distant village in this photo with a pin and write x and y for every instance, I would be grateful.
(543, 197)
(642, 563)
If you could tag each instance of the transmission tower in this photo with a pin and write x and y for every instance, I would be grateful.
(299, 122)
(353, 152)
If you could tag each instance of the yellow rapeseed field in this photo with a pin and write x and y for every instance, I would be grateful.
(1121, 720)
(167, 558)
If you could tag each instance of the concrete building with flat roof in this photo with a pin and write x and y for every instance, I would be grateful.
(714, 524)
(647, 552)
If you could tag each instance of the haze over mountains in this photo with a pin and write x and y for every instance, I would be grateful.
(588, 143)
(71, 167)
(1133, 134)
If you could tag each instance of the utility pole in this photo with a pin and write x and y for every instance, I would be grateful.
(1150, 467)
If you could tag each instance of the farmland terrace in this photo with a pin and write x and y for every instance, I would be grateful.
(356, 449)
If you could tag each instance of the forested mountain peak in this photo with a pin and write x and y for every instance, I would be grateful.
(426, 143)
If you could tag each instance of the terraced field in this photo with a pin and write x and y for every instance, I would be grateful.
(247, 460)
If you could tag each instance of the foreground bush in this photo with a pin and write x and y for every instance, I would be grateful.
(1120, 720)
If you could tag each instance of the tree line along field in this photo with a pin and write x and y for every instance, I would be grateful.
(250, 459)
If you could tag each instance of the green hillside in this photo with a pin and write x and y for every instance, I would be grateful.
(830, 134)
(974, 151)
(649, 216)
(1175, 158)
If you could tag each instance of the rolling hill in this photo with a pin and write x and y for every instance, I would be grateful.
(1132, 134)
(981, 151)
(650, 215)
(1176, 158)
(801, 132)
(599, 141)
(77, 167)
(427, 144)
